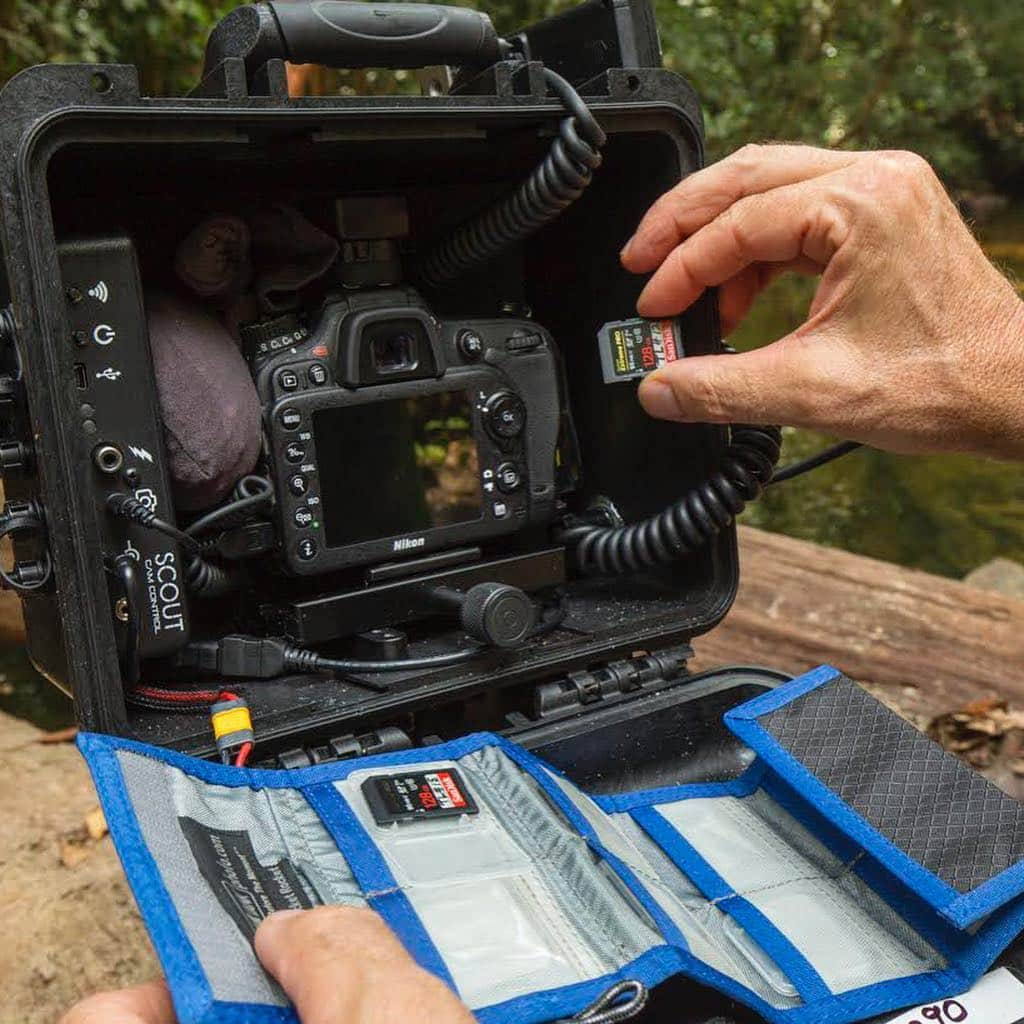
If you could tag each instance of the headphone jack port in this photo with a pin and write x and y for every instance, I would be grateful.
(108, 458)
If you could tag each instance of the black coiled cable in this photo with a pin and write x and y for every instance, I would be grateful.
(690, 523)
(556, 183)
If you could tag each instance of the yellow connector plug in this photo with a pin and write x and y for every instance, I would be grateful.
(232, 725)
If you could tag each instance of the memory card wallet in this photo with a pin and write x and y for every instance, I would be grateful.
(855, 867)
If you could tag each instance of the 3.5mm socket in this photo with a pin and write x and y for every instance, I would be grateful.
(108, 458)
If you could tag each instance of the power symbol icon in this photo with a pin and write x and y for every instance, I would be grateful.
(103, 334)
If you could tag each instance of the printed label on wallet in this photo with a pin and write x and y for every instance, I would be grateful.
(997, 999)
(411, 796)
(631, 349)
(248, 890)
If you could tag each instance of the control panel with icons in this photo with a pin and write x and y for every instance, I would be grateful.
(121, 438)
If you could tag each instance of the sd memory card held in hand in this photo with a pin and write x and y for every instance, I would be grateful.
(631, 349)
(418, 796)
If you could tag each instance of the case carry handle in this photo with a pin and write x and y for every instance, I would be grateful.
(353, 34)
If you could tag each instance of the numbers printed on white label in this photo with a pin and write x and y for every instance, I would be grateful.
(997, 999)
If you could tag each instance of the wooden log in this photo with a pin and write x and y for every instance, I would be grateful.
(933, 643)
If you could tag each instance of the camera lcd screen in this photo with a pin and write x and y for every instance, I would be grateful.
(395, 467)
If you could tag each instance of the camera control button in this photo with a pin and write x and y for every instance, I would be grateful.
(505, 415)
(470, 344)
(295, 451)
(302, 517)
(500, 510)
(287, 380)
(523, 342)
(298, 485)
(306, 549)
(290, 419)
(509, 477)
(317, 374)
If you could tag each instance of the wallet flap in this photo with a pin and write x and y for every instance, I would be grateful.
(942, 829)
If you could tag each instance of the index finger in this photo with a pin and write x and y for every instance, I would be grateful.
(791, 224)
(706, 194)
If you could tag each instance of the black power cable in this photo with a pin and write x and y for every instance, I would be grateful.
(252, 494)
(124, 567)
(245, 657)
(826, 455)
(127, 507)
(556, 183)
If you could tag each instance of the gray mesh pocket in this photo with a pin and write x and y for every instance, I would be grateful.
(943, 830)
(227, 857)
(943, 815)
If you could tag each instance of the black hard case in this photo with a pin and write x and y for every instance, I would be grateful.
(85, 153)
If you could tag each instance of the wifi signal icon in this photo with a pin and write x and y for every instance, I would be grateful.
(100, 291)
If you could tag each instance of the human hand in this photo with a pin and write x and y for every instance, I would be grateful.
(342, 965)
(914, 341)
(338, 965)
(144, 1004)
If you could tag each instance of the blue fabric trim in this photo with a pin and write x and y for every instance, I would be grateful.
(375, 878)
(970, 957)
(790, 960)
(190, 988)
(650, 969)
(970, 954)
(787, 767)
(289, 778)
(194, 1003)
(742, 786)
(784, 694)
(252, 1013)
(960, 909)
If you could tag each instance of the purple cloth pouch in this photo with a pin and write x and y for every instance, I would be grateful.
(211, 411)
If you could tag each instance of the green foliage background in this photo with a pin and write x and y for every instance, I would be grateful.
(939, 76)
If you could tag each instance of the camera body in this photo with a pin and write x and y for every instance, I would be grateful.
(390, 433)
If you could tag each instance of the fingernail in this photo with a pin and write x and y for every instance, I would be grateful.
(625, 249)
(658, 400)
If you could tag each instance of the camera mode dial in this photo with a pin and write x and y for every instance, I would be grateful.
(505, 415)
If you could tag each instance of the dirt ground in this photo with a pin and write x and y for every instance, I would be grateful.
(69, 922)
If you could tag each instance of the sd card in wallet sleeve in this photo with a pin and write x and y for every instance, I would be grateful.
(855, 869)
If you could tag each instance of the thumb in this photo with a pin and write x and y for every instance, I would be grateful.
(343, 964)
(780, 383)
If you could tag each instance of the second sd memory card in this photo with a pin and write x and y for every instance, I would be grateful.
(631, 349)
(418, 796)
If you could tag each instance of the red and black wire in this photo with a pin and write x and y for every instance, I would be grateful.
(157, 698)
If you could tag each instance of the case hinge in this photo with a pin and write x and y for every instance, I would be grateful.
(616, 678)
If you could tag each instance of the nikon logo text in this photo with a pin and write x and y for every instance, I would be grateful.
(409, 543)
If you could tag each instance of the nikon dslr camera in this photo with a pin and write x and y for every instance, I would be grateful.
(390, 432)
